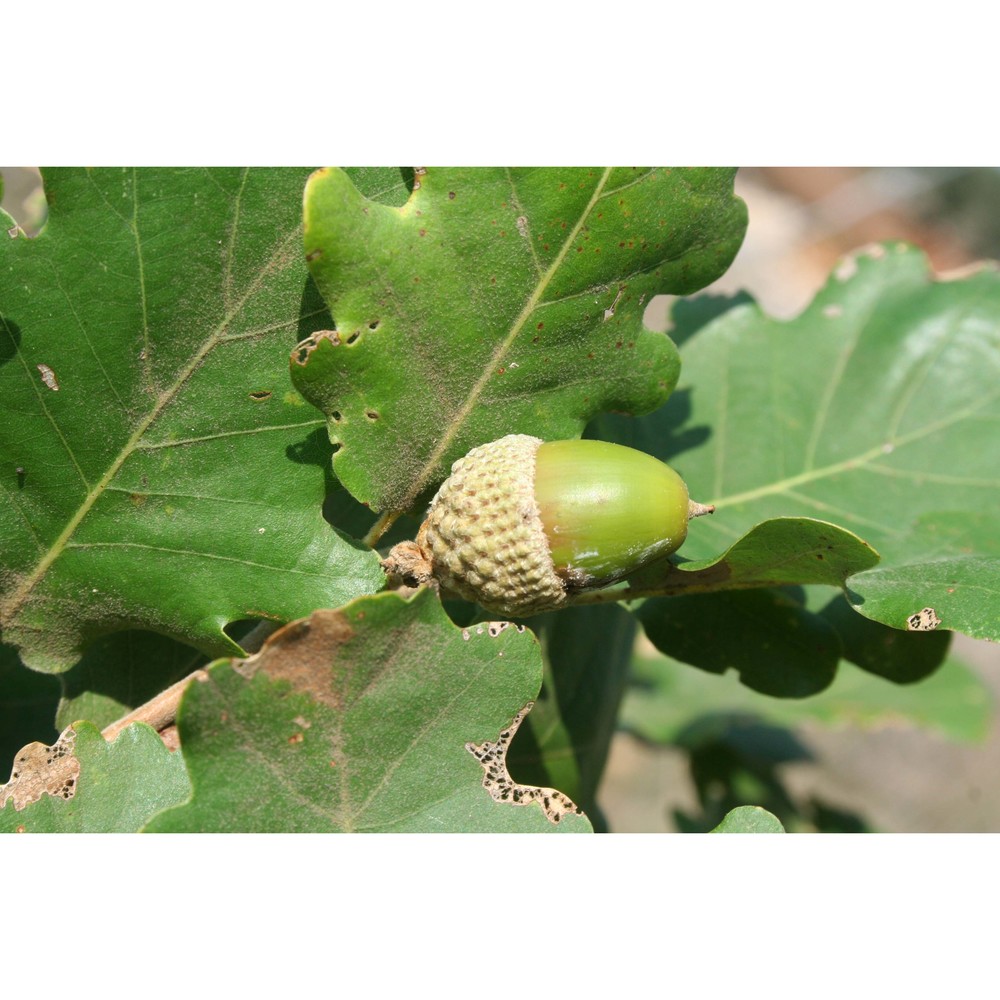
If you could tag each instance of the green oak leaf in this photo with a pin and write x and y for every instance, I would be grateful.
(901, 657)
(158, 471)
(876, 408)
(962, 591)
(83, 784)
(365, 719)
(775, 644)
(749, 819)
(566, 737)
(779, 552)
(497, 301)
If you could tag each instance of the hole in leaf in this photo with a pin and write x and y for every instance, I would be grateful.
(353, 337)
(372, 414)
(373, 325)
(261, 395)
(335, 416)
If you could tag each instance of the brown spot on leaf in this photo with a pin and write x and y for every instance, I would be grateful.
(303, 653)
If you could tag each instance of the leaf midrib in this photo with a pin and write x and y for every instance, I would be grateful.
(460, 416)
(20, 594)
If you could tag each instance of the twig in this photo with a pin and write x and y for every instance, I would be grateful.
(159, 712)
(380, 527)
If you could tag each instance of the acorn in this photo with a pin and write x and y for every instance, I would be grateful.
(521, 525)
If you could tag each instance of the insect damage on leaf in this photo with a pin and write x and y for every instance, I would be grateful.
(925, 620)
(492, 755)
(40, 770)
(48, 377)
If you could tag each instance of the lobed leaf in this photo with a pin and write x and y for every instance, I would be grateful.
(960, 593)
(497, 301)
(158, 470)
(371, 718)
(83, 784)
(727, 613)
(877, 408)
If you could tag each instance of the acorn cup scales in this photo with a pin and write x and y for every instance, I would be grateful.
(521, 525)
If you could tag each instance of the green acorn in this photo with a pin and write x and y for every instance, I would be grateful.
(522, 525)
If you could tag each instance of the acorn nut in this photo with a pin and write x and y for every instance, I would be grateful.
(522, 525)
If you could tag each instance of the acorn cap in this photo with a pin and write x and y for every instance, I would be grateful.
(520, 525)
(483, 535)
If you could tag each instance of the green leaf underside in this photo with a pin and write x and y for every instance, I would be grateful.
(172, 482)
(749, 819)
(371, 737)
(117, 787)
(667, 698)
(895, 655)
(877, 408)
(497, 301)
(782, 647)
(779, 647)
(565, 739)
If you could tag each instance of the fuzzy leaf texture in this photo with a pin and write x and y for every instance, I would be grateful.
(497, 301)
(157, 470)
(367, 719)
